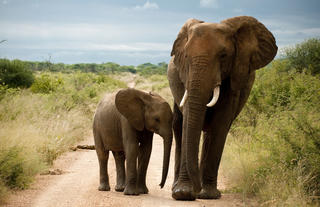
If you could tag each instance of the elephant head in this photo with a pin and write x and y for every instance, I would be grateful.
(208, 54)
(151, 112)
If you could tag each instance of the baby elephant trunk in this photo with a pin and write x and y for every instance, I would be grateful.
(167, 143)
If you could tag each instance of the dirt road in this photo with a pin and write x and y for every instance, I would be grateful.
(77, 185)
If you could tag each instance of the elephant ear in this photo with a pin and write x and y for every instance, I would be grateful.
(130, 105)
(255, 48)
(178, 48)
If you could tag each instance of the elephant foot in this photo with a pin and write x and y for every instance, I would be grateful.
(131, 189)
(119, 188)
(209, 193)
(183, 191)
(174, 185)
(104, 187)
(143, 189)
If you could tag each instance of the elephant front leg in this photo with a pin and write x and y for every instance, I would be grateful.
(143, 161)
(210, 160)
(177, 129)
(119, 158)
(131, 150)
(183, 188)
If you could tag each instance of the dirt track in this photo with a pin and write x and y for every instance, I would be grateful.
(77, 185)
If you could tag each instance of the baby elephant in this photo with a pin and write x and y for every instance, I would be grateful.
(124, 123)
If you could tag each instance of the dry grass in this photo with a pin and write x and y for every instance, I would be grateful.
(155, 83)
(35, 128)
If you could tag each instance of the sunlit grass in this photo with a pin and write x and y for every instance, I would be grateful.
(272, 151)
(155, 83)
(39, 124)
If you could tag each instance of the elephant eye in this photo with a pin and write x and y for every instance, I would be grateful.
(223, 56)
(157, 119)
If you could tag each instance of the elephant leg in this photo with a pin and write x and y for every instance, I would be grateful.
(131, 151)
(119, 158)
(103, 156)
(177, 129)
(212, 149)
(143, 161)
(210, 160)
(183, 189)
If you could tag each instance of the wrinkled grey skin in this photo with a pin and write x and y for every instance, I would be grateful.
(124, 123)
(204, 56)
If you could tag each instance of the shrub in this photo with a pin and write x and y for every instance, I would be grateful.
(274, 145)
(39, 124)
(46, 83)
(305, 56)
(14, 74)
(148, 69)
(12, 169)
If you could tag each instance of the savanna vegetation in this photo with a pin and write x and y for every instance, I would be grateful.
(39, 123)
(105, 68)
(272, 151)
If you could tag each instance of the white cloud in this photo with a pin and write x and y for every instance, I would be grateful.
(84, 37)
(97, 46)
(75, 32)
(209, 3)
(146, 6)
(238, 10)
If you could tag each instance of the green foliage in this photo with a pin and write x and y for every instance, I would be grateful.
(148, 69)
(274, 148)
(145, 69)
(305, 56)
(46, 83)
(14, 74)
(40, 123)
(12, 169)
(3, 192)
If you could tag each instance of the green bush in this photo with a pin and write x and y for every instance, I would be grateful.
(40, 123)
(3, 192)
(14, 74)
(148, 69)
(277, 136)
(16, 169)
(46, 83)
(12, 170)
(305, 56)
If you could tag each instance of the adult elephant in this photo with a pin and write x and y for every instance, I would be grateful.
(211, 74)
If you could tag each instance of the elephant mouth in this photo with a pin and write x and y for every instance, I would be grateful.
(212, 102)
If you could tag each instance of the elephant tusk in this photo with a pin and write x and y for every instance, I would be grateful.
(183, 101)
(215, 97)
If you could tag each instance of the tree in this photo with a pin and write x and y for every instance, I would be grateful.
(14, 74)
(305, 56)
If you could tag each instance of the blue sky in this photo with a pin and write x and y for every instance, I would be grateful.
(131, 32)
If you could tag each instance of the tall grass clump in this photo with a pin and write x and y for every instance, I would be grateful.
(14, 74)
(155, 83)
(40, 123)
(273, 149)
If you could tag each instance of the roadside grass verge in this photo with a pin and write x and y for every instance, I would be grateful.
(40, 123)
(273, 148)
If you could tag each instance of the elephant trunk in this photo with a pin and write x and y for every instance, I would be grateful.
(199, 93)
(167, 143)
(196, 113)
